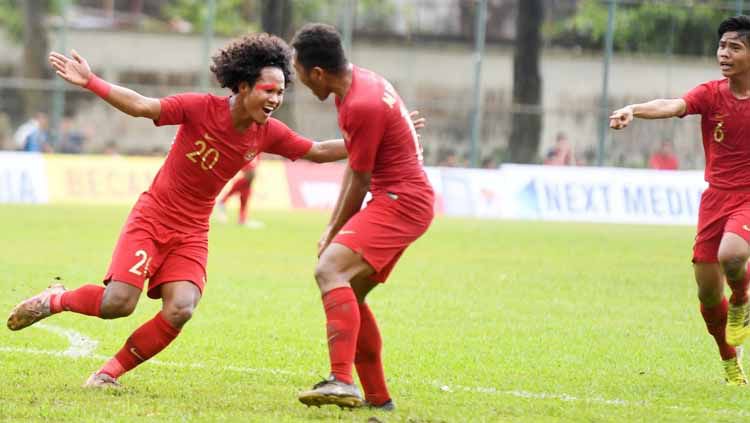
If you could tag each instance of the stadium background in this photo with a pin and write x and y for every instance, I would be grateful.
(429, 49)
(484, 320)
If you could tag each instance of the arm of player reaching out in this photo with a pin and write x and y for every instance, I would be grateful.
(654, 109)
(327, 151)
(334, 150)
(354, 188)
(76, 71)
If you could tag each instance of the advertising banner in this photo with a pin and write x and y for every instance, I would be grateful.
(99, 179)
(601, 194)
(312, 185)
(22, 178)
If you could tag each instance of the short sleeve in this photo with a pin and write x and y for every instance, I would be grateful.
(177, 109)
(364, 126)
(697, 100)
(285, 142)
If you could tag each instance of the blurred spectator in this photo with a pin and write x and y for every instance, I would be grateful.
(664, 158)
(489, 163)
(561, 154)
(110, 149)
(448, 158)
(71, 138)
(587, 158)
(32, 135)
(5, 138)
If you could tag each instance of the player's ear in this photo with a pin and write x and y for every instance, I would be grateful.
(317, 73)
(244, 88)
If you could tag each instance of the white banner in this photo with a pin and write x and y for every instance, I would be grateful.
(22, 178)
(601, 194)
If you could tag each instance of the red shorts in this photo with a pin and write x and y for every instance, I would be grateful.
(148, 250)
(381, 232)
(720, 211)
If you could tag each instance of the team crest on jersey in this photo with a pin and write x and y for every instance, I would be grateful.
(250, 155)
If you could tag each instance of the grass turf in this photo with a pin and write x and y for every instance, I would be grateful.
(482, 321)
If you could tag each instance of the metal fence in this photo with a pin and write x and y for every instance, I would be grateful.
(427, 49)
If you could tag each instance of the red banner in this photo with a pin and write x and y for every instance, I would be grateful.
(312, 185)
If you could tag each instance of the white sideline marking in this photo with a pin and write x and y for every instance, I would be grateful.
(82, 346)
(594, 400)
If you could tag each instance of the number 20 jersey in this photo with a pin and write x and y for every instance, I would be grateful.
(207, 151)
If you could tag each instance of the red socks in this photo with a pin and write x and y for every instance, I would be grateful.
(147, 341)
(739, 288)
(84, 300)
(716, 323)
(342, 327)
(367, 360)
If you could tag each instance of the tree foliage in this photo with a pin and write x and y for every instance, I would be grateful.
(231, 17)
(11, 18)
(238, 16)
(648, 27)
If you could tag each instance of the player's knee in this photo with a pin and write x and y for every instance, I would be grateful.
(324, 275)
(178, 314)
(709, 296)
(733, 265)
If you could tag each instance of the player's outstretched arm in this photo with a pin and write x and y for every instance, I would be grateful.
(76, 70)
(654, 109)
(335, 150)
(327, 151)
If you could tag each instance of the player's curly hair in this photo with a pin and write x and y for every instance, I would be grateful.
(739, 24)
(243, 59)
(319, 45)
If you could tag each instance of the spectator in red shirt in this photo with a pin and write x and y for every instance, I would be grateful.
(562, 153)
(664, 158)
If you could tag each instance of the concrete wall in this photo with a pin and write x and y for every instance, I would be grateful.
(433, 77)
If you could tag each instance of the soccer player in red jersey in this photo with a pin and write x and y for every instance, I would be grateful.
(242, 186)
(165, 238)
(721, 248)
(360, 247)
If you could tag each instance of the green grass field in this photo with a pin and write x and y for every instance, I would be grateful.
(482, 321)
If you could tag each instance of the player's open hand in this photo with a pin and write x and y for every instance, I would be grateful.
(75, 70)
(621, 118)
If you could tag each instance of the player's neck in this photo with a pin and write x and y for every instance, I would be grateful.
(341, 85)
(241, 120)
(739, 85)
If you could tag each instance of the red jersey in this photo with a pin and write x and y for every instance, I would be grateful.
(380, 138)
(725, 124)
(661, 161)
(206, 152)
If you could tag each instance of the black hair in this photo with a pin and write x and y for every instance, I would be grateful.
(320, 45)
(739, 24)
(243, 59)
